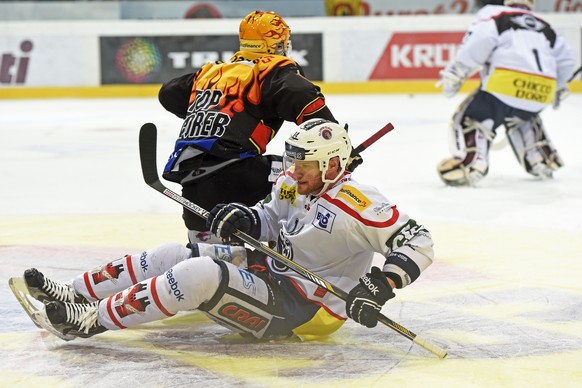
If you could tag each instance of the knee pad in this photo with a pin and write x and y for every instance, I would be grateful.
(188, 284)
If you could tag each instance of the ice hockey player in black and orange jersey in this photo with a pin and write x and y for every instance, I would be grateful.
(231, 111)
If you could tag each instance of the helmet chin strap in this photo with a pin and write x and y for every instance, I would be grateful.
(328, 182)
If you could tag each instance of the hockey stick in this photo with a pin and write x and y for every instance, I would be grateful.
(372, 139)
(575, 74)
(147, 151)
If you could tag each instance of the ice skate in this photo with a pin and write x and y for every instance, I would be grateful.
(45, 290)
(542, 171)
(75, 319)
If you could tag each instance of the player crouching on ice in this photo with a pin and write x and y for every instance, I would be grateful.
(320, 217)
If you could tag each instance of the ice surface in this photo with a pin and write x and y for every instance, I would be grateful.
(503, 296)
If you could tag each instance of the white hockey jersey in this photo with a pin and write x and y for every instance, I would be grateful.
(523, 59)
(335, 236)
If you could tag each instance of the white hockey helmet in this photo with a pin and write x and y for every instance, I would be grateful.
(529, 4)
(319, 140)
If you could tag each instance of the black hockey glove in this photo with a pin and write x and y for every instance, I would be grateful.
(354, 162)
(367, 298)
(225, 219)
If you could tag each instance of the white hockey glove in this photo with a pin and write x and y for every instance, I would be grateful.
(561, 93)
(451, 79)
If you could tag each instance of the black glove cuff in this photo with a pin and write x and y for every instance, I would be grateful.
(256, 229)
(377, 285)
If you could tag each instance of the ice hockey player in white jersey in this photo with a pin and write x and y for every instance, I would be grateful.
(524, 67)
(320, 218)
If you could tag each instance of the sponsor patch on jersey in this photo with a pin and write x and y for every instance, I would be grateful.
(289, 193)
(524, 86)
(384, 207)
(276, 170)
(354, 197)
(324, 219)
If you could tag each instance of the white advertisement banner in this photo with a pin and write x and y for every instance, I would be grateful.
(37, 60)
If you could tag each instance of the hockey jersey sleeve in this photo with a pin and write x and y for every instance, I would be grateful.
(295, 98)
(409, 252)
(174, 95)
(361, 222)
(565, 61)
(406, 244)
(478, 43)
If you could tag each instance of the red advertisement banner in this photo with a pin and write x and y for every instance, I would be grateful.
(416, 55)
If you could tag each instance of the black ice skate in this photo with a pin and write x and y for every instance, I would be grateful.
(76, 319)
(45, 290)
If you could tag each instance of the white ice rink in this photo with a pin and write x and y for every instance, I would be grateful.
(504, 295)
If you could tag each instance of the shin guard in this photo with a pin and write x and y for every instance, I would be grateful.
(117, 275)
(183, 287)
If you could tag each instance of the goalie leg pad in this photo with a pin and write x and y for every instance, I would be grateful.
(470, 162)
(472, 130)
(532, 146)
(456, 135)
(454, 172)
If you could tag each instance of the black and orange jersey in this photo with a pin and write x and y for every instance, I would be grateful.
(232, 110)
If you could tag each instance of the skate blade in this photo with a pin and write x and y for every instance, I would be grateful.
(37, 315)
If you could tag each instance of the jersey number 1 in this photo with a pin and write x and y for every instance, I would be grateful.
(537, 55)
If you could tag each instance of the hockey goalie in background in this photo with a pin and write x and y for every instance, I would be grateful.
(524, 67)
(321, 218)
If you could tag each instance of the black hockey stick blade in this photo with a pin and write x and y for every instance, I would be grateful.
(147, 153)
(148, 136)
(147, 149)
(372, 139)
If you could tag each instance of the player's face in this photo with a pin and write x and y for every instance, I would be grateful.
(308, 177)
